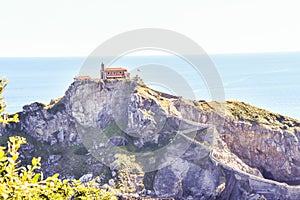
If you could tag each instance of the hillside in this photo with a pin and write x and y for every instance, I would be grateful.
(186, 149)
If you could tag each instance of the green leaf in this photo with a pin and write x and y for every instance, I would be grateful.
(55, 176)
(2, 154)
(33, 161)
(12, 139)
(15, 157)
(36, 178)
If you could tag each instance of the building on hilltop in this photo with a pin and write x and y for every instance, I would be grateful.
(81, 78)
(107, 73)
(113, 73)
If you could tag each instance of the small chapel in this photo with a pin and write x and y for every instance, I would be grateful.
(113, 73)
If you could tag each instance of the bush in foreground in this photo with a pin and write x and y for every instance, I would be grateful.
(23, 182)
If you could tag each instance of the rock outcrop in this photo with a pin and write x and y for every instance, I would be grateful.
(233, 151)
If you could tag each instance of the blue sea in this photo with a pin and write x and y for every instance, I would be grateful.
(267, 80)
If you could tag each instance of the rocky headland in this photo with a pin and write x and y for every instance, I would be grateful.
(234, 151)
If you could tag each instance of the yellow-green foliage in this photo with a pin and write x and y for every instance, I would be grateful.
(5, 118)
(20, 182)
(23, 182)
(260, 116)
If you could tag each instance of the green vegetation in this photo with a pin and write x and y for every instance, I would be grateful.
(241, 110)
(157, 96)
(22, 182)
(5, 118)
(73, 158)
(130, 174)
(19, 181)
(114, 130)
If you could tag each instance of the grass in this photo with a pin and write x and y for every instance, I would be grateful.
(114, 130)
(241, 110)
(73, 157)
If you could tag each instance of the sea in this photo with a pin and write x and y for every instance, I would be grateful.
(267, 80)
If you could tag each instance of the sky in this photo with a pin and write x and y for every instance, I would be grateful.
(38, 28)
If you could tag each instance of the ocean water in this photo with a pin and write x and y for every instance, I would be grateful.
(267, 80)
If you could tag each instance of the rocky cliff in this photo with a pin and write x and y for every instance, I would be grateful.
(187, 149)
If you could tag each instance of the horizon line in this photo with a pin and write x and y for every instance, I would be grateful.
(141, 55)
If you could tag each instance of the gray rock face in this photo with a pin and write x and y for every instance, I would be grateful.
(46, 123)
(275, 152)
(224, 161)
(183, 179)
(118, 141)
(53, 159)
(86, 178)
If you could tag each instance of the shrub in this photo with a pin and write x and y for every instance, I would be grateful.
(5, 118)
(22, 182)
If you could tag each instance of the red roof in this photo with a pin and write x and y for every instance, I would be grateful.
(115, 69)
(82, 77)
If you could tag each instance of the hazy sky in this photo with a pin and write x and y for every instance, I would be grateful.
(75, 28)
